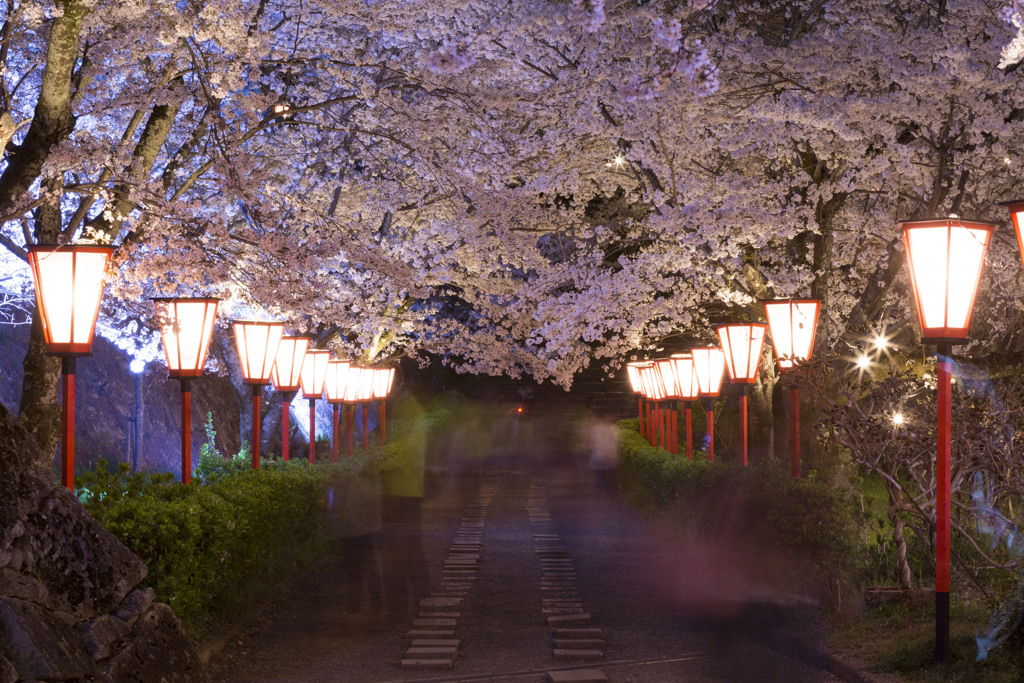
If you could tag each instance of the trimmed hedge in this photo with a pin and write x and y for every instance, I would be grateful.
(762, 504)
(210, 544)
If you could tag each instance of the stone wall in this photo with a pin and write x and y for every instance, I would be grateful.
(70, 608)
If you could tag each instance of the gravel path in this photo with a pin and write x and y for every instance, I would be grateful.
(644, 593)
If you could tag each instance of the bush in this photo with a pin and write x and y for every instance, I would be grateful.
(800, 517)
(212, 544)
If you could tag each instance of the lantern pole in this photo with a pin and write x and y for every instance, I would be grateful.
(743, 425)
(286, 409)
(67, 419)
(366, 424)
(944, 367)
(709, 409)
(350, 426)
(257, 428)
(689, 429)
(186, 429)
(312, 431)
(335, 410)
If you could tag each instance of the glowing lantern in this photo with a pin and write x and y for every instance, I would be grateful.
(945, 257)
(383, 379)
(186, 327)
(792, 323)
(69, 287)
(741, 345)
(339, 373)
(312, 377)
(286, 375)
(257, 344)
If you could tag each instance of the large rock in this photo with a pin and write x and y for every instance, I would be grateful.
(46, 534)
(39, 645)
(158, 650)
(67, 608)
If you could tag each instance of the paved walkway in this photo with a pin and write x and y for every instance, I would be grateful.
(513, 555)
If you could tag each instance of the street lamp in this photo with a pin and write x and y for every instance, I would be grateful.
(382, 381)
(654, 391)
(945, 257)
(186, 326)
(257, 343)
(362, 383)
(311, 379)
(667, 371)
(338, 375)
(637, 385)
(709, 367)
(741, 345)
(686, 380)
(68, 281)
(792, 323)
(286, 375)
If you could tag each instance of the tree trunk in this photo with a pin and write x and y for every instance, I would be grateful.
(39, 411)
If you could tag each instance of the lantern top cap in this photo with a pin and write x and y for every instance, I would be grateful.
(790, 300)
(209, 299)
(240, 321)
(720, 326)
(1012, 203)
(947, 221)
(70, 245)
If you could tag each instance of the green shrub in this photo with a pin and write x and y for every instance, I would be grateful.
(763, 503)
(212, 544)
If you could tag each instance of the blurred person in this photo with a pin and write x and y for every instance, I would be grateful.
(356, 503)
(402, 482)
(603, 438)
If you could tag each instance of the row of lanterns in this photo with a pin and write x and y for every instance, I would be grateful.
(69, 285)
(945, 258)
(699, 374)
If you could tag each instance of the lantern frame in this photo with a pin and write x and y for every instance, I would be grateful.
(182, 364)
(633, 374)
(257, 355)
(336, 380)
(666, 368)
(709, 368)
(61, 313)
(955, 277)
(1016, 209)
(742, 353)
(783, 332)
(291, 352)
(383, 378)
(686, 376)
(313, 374)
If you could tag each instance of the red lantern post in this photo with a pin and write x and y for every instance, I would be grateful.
(742, 344)
(257, 343)
(945, 257)
(287, 377)
(338, 376)
(312, 378)
(68, 281)
(186, 326)
(792, 323)
(709, 367)
(382, 381)
(636, 384)
(686, 379)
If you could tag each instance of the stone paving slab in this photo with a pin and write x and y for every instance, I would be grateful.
(431, 652)
(567, 619)
(581, 644)
(454, 642)
(451, 623)
(577, 676)
(417, 633)
(579, 633)
(578, 655)
(427, 663)
(440, 601)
